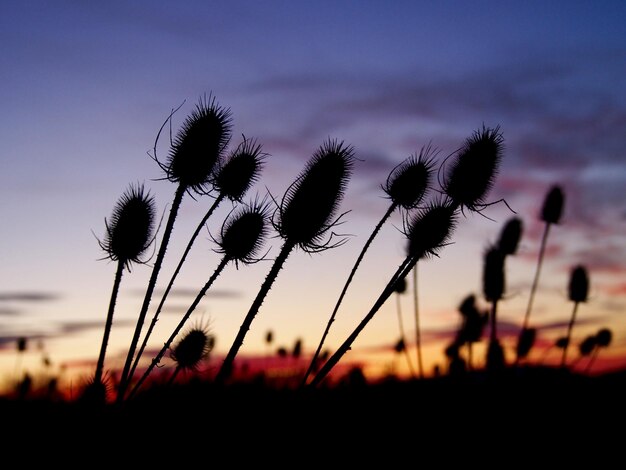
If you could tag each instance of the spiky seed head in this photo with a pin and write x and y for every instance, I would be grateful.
(198, 146)
(493, 274)
(579, 284)
(587, 345)
(562, 342)
(400, 286)
(96, 392)
(240, 170)
(510, 236)
(243, 232)
(604, 337)
(308, 208)
(474, 168)
(129, 233)
(525, 342)
(193, 347)
(552, 209)
(409, 181)
(429, 230)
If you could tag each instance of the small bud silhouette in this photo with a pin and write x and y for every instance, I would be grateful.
(493, 274)
(579, 284)
(526, 341)
(194, 346)
(408, 182)
(552, 209)
(240, 170)
(510, 236)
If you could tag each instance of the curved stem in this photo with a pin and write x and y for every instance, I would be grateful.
(166, 345)
(227, 366)
(173, 377)
(418, 338)
(569, 334)
(533, 289)
(592, 359)
(390, 210)
(401, 272)
(402, 335)
(109, 321)
(216, 203)
(178, 197)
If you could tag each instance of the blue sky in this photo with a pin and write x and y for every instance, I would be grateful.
(86, 86)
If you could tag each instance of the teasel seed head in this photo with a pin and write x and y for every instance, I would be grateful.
(409, 181)
(493, 274)
(400, 286)
(552, 209)
(198, 146)
(561, 342)
(129, 232)
(240, 170)
(510, 236)
(587, 345)
(308, 208)
(473, 171)
(429, 230)
(579, 284)
(526, 341)
(192, 348)
(604, 337)
(244, 231)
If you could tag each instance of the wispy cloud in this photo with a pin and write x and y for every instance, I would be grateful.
(28, 296)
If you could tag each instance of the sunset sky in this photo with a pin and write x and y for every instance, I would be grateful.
(85, 87)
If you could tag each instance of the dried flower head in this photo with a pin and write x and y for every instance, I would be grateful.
(562, 342)
(400, 286)
(244, 231)
(587, 345)
(552, 209)
(526, 342)
(240, 170)
(493, 274)
(510, 236)
(129, 232)
(604, 337)
(473, 171)
(408, 182)
(400, 346)
(429, 230)
(198, 146)
(579, 284)
(193, 347)
(308, 208)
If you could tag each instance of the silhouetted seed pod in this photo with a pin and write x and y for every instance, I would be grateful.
(452, 350)
(399, 346)
(269, 337)
(95, 392)
(526, 342)
(562, 342)
(244, 232)
(510, 236)
(198, 146)
(579, 284)
(430, 230)
(282, 352)
(129, 233)
(587, 345)
(21, 344)
(241, 170)
(553, 205)
(307, 209)
(408, 182)
(297, 349)
(468, 306)
(400, 286)
(474, 326)
(604, 337)
(473, 171)
(194, 346)
(493, 274)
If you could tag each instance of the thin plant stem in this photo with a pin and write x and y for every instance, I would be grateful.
(494, 332)
(216, 203)
(313, 363)
(592, 359)
(418, 339)
(570, 326)
(226, 369)
(402, 335)
(401, 272)
(533, 289)
(180, 325)
(173, 377)
(126, 377)
(109, 321)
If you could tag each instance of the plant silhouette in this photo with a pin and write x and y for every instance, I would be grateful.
(192, 348)
(578, 290)
(551, 213)
(195, 151)
(232, 180)
(603, 339)
(493, 290)
(305, 215)
(400, 288)
(241, 238)
(128, 236)
(406, 185)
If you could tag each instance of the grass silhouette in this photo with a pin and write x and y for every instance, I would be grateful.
(578, 292)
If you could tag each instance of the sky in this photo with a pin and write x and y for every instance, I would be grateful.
(85, 88)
